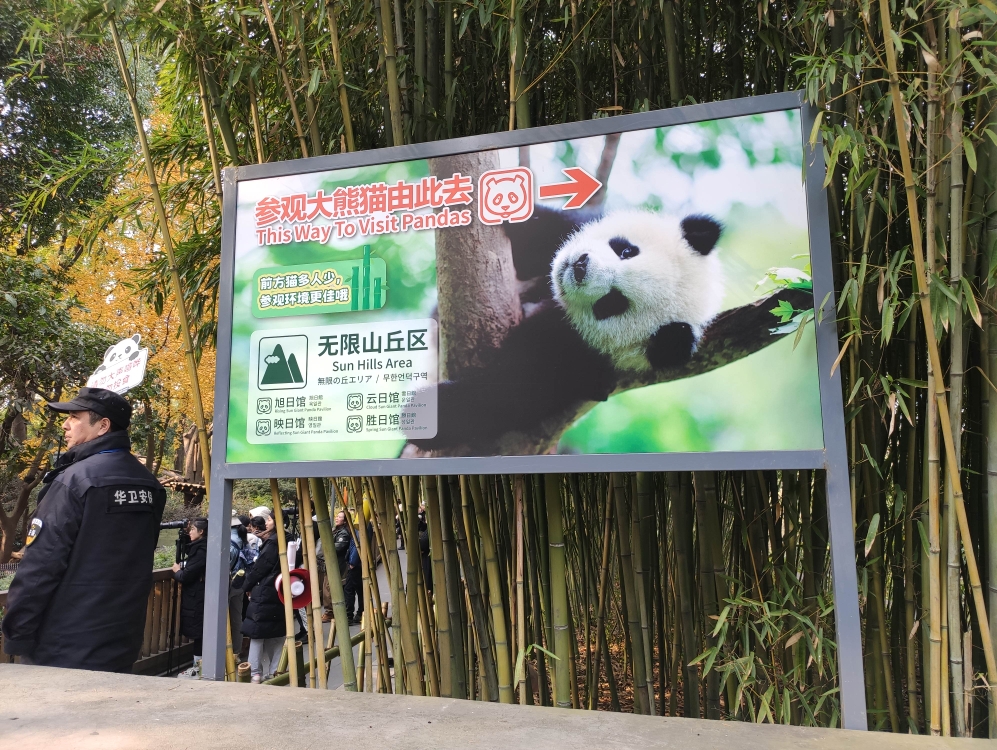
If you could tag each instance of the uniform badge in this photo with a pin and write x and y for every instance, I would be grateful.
(33, 531)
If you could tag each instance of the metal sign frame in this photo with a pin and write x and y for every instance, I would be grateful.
(833, 458)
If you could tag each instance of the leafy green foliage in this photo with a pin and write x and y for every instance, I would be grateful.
(61, 121)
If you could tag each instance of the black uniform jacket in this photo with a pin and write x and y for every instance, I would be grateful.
(79, 597)
(265, 613)
(191, 575)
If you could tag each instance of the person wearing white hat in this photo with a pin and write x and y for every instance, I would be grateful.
(264, 622)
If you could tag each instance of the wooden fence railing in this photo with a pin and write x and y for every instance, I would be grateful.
(162, 630)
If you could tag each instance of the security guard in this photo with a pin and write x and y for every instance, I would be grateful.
(80, 593)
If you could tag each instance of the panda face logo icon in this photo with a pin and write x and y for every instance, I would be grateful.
(505, 195)
(354, 401)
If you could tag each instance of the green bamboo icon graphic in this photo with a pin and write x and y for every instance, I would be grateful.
(366, 277)
(361, 279)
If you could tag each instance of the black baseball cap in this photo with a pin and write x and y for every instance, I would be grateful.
(100, 401)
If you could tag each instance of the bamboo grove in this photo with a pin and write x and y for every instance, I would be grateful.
(706, 594)
(664, 594)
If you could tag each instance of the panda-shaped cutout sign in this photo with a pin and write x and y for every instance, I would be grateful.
(123, 367)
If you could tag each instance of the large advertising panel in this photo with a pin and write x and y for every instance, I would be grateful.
(626, 294)
(638, 292)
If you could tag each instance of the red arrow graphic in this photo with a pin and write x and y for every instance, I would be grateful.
(581, 187)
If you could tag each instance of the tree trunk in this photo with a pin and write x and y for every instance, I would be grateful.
(478, 300)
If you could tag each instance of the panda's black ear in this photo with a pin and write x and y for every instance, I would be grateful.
(701, 232)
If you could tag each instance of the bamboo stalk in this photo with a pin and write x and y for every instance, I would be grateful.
(910, 615)
(710, 546)
(630, 591)
(683, 568)
(336, 595)
(285, 578)
(990, 244)
(288, 88)
(513, 50)
(639, 528)
(439, 585)
(209, 132)
(310, 113)
(409, 650)
(306, 502)
(391, 71)
(503, 660)
(448, 74)
(454, 596)
(560, 611)
(923, 293)
(477, 612)
(410, 533)
(164, 229)
(251, 86)
(313, 644)
(956, 373)
(337, 61)
(521, 595)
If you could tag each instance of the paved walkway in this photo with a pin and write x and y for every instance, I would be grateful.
(56, 709)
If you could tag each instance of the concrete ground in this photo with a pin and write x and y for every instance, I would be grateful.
(56, 709)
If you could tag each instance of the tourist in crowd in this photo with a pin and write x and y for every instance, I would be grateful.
(353, 583)
(241, 558)
(190, 574)
(264, 622)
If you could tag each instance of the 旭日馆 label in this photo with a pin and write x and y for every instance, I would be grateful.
(358, 381)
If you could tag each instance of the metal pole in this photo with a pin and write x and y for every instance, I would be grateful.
(839, 503)
(216, 579)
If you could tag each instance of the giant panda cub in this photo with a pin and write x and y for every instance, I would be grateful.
(624, 294)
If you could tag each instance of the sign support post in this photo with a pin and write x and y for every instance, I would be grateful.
(847, 620)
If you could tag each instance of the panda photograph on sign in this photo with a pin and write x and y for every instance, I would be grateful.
(639, 292)
(636, 281)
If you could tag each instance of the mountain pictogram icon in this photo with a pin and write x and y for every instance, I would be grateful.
(281, 369)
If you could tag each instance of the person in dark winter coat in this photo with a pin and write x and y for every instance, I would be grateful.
(264, 623)
(80, 594)
(353, 583)
(190, 574)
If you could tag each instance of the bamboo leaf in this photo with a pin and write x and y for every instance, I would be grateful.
(870, 537)
(970, 150)
(699, 658)
(313, 83)
(721, 620)
(917, 624)
(855, 389)
(841, 354)
(793, 639)
(816, 128)
(970, 299)
(839, 145)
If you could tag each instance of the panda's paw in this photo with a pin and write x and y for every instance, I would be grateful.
(671, 345)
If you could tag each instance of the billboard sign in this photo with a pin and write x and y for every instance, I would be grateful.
(634, 293)
(642, 291)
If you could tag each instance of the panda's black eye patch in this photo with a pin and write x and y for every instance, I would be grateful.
(624, 248)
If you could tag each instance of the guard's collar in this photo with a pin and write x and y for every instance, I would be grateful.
(112, 441)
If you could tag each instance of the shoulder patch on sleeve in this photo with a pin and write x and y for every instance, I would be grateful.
(33, 531)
